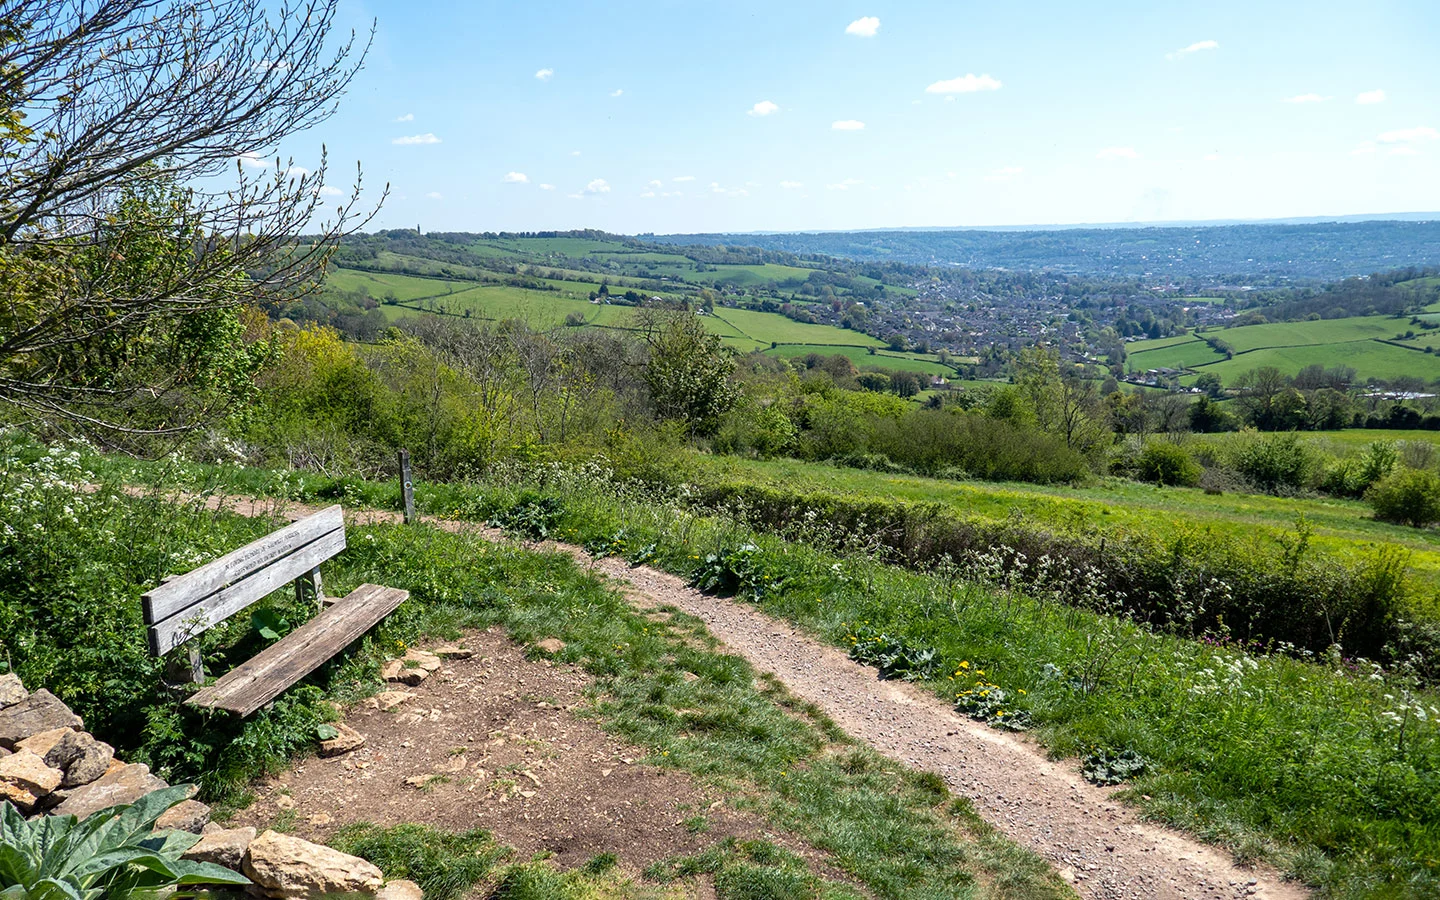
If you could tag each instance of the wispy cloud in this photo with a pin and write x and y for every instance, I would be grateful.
(516, 178)
(426, 138)
(545, 74)
(1370, 98)
(330, 191)
(547, 187)
(574, 152)
(408, 117)
(656, 183)
(1306, 98)
(1118, 153)
(1005, 174)
(1211, 157)
(848, 125)
(1193, 48)
(966, 84)
(598, 186)
(435, 195)
(866, 26)
(617, 92)
(647, 195)
(792, 185)
(764, 108)
(683, 178)
(253, 161)
(1408, 136)
(845, 185)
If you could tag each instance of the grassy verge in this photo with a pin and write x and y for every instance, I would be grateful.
(69, 621)
(1326, 767)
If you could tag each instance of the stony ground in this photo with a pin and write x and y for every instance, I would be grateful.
(500, 742)
(1101, 846)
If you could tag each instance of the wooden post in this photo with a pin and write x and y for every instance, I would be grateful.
(310, 583)
(407, 487)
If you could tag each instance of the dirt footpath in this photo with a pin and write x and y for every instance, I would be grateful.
(1101, 846)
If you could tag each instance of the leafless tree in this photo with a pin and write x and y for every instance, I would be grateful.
(119, 121)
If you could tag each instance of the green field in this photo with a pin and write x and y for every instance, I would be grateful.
(1115, 506)
(775, 328)
(401, 287)
(1361, 342)
(863, 358)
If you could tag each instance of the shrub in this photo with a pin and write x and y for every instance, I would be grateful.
(1410, 496)
(1166, 463)
(1276, 463)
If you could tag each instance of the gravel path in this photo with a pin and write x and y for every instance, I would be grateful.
(1099, 845)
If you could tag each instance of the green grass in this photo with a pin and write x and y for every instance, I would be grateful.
(1180, 355)
(402, 287)
(863, 358)
(1114, 507)
(773, 327)
(1369, 359)
(1296, 763)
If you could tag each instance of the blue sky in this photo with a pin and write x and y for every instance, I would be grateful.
(688, 116)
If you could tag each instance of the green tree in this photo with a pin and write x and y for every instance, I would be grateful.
(1410, 496)
(688, 371)
(119, 248)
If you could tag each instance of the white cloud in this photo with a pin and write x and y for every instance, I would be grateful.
(1211, 157)
(1194, 48)
(715, 188)
(647, 195)
(845, 185)
(673, 194)
(574, 152)
(617, 92)
(848, 125)
(545, 74)
(656, 183)
(547, 187)
(1365, 147)
(1306, 98)
(254, 161)
(1005, 174)
(598, 186)
(1408, 136)
(764, 108)
(684, 178)
(576, 196)
(426, 138)
(408, 117)
(328, 191)
(516, 178)
(791, 185)
(1370, 98)
(1118, 153)
(1404, 150)
(866, 26)
(966, 84)
(435, 195)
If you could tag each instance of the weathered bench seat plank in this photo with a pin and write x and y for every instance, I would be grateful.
(252, 684)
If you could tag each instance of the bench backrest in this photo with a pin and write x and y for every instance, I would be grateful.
(183, 607)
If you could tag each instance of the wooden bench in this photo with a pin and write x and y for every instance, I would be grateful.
(181, 608)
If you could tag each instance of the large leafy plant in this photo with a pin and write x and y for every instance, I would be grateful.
(113, 854)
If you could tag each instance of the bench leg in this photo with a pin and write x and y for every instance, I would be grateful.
(189, 669)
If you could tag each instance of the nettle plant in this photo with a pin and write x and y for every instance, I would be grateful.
(113, 854)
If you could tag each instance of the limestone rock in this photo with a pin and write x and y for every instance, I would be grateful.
(191, 816)
(423, 660)
(285, 866)
(11, 690)
(551, 645)
(451, 652)
(390, 699)
(348, 739)
(51, 746)
(391, 670)
(400, 889)
(223, 847)
(93, 760)
(41, 711)
(25, 779)
(124, 784)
